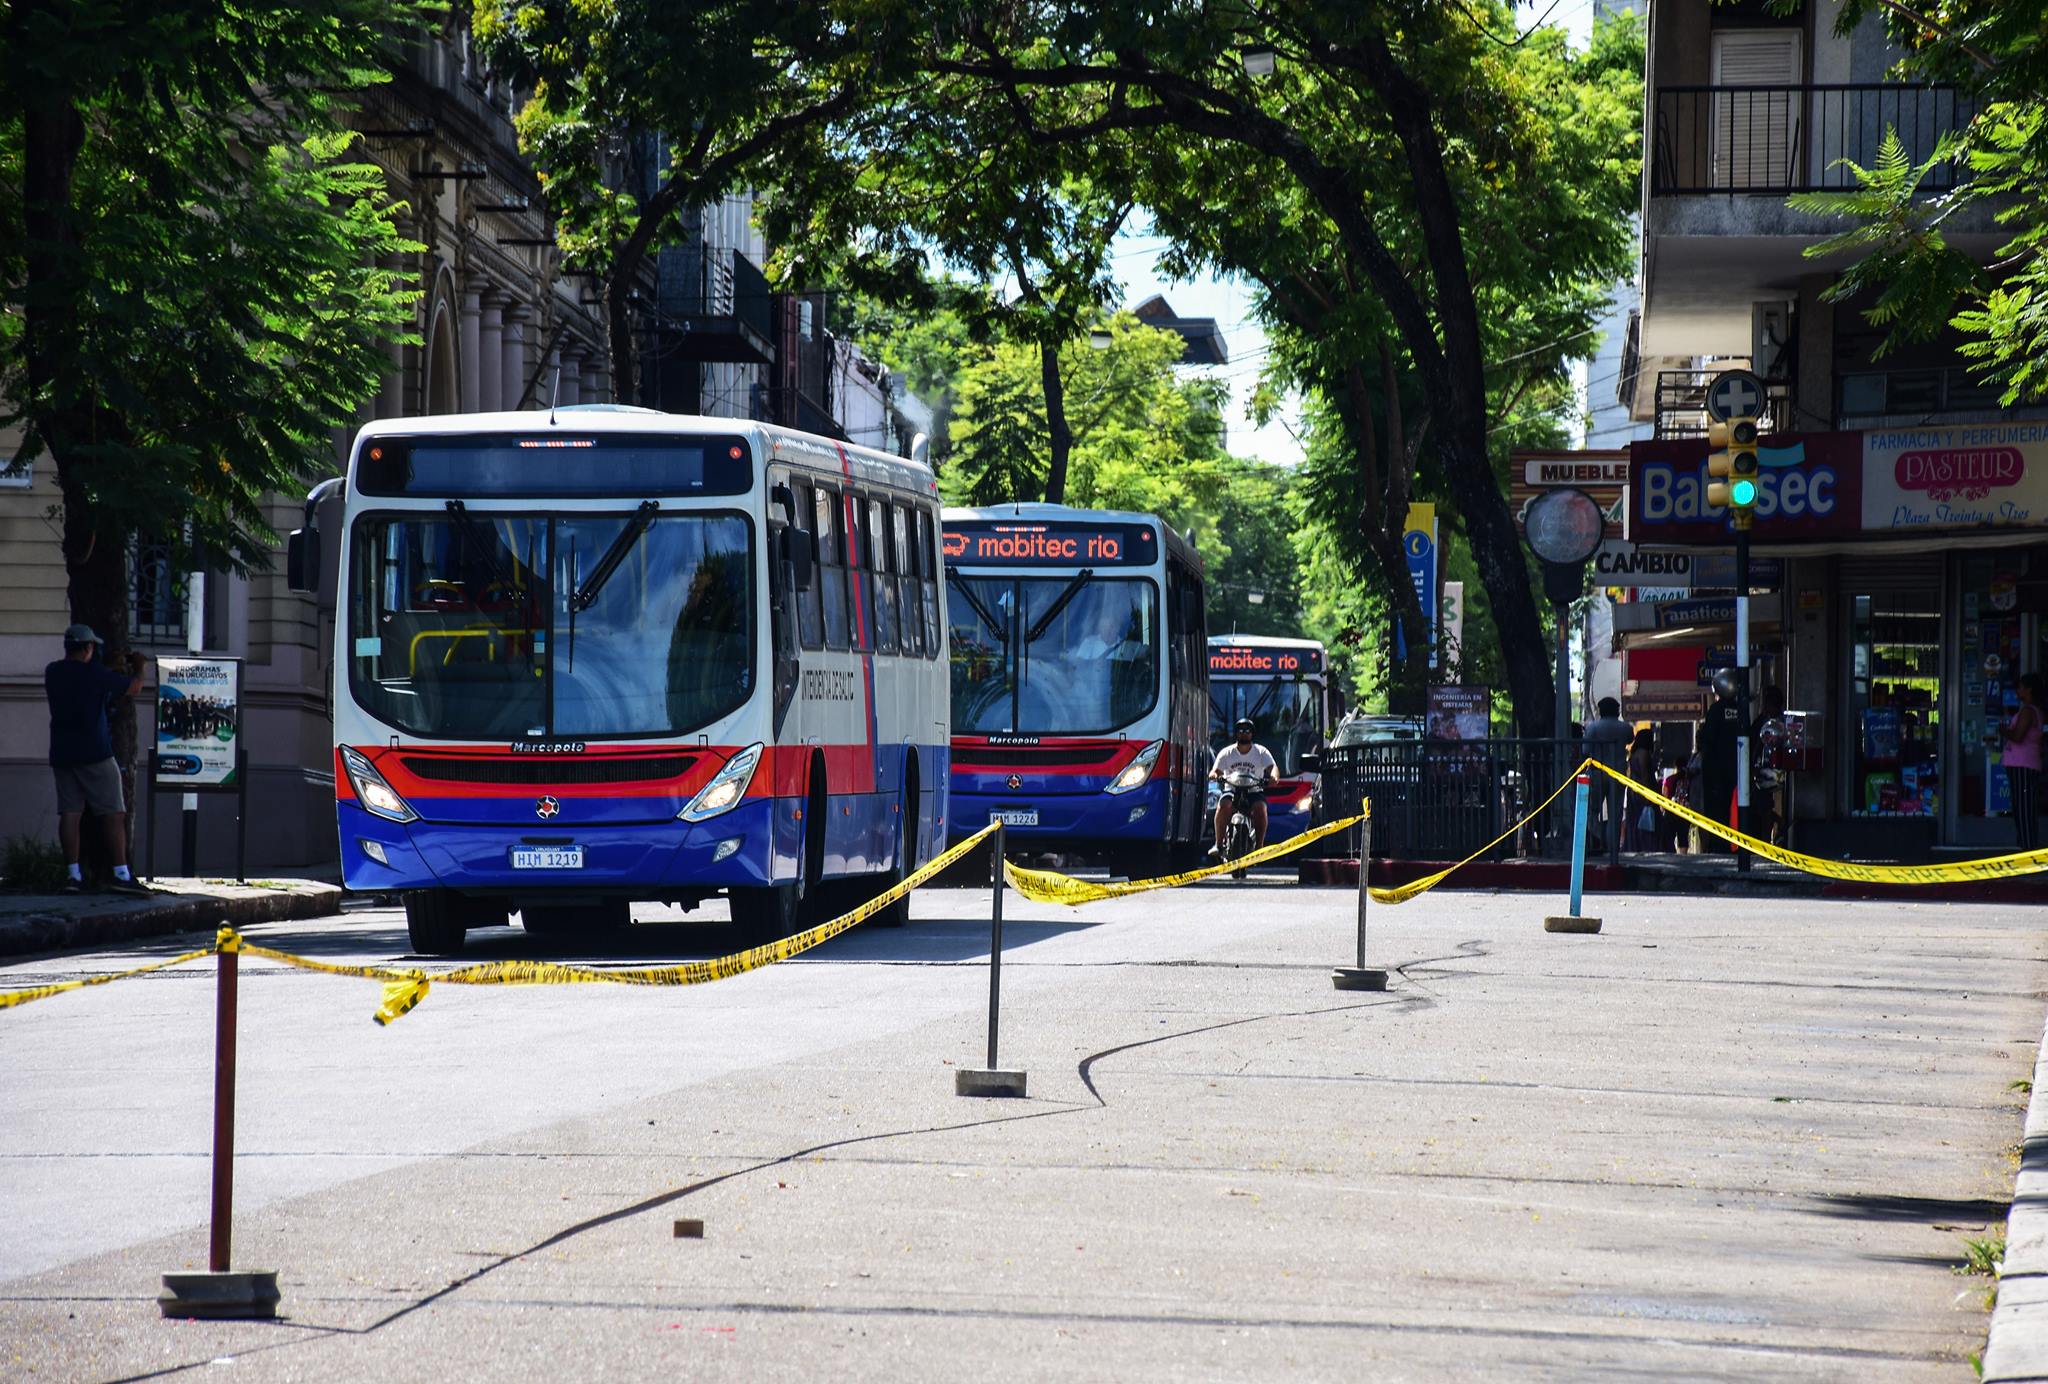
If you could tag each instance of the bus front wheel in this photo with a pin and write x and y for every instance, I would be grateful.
(435, 922)
(767, 915)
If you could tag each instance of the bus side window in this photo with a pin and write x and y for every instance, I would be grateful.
(883, 580)
(809, 603)
(1176, 624)
(831, 581)
(859, 559)
(912, 618)
(928, 572)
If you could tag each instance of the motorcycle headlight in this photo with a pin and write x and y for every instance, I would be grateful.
(1138, 770)
(376, 796)
(726, 788)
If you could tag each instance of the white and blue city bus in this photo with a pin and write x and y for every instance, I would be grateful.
(1283, 686)
(1079, 681)
(606, 655)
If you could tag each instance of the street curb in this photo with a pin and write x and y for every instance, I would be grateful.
(54, 931)
(2018, 1346)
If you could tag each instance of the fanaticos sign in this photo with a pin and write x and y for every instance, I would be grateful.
(1848, 485)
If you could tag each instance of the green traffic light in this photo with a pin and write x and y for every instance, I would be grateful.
(1742, 493)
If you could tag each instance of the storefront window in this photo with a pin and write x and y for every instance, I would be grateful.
(1896, 699)
(1989, 669)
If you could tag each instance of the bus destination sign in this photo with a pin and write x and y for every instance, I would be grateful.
(1247, 658)
(1021, 544)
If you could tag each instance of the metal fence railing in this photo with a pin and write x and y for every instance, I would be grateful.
(1790, 138)
(1444, 799)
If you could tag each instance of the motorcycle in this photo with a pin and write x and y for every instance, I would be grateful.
(1242, 787)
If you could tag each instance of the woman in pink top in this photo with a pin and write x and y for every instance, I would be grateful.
(2022, 758)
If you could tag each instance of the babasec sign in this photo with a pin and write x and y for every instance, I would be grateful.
(1809, 486)
(1886, 483)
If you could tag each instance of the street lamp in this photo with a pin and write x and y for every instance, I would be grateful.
(1100, 338)
(1258, 60)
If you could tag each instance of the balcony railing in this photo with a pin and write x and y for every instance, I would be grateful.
(717, 306)
(1782, 139)
(1682, 400)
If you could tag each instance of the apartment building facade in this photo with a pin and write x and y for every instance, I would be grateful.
(1904, 532)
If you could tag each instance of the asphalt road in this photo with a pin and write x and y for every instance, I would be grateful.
(1723, 1139)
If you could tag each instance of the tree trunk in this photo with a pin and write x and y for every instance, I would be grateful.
(619, 334)
(1061, 439)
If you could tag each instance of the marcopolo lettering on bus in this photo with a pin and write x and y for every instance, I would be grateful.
(1671, 495)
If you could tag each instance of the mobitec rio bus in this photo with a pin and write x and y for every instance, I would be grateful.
(1282, 686)
(601, 655)
(1080, 709)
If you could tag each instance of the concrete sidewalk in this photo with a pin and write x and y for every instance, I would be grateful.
(61, 922)
(1747, 1140)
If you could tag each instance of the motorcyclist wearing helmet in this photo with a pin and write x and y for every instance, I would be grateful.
(1244, 755)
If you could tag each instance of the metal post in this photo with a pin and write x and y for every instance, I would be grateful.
(1575, 921)
(1361, 977)
(220, 1292)
(1742, 688)
(995, 951)
(992, 1080)
(1580, 798)
(223, 1112)
(242, 813)
(195, 641)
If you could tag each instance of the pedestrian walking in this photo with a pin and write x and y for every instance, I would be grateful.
(2021, 759)
(79, 689)
(1606, 742)
(1640, 808)
(1718, 734)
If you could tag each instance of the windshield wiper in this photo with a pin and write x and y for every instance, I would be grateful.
(586, 594)
(479, 541)
(999, 630)
(1264, 697)
(1073, 589)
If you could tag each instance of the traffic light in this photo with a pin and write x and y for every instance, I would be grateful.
(1731, 470)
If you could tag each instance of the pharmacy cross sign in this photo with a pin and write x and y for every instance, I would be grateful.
(1734, 394)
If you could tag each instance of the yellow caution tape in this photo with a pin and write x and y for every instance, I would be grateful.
(1049, 886)
(10, 998)
(1962, 871)
(403, 990)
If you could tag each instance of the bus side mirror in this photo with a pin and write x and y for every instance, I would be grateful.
(1311, 760)
(302, 560)
(800, 551)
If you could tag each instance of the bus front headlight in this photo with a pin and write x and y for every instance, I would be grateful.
(376, 796)
(1138, 770)
(726, 788)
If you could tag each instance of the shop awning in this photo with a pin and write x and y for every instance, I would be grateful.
(1700, 620)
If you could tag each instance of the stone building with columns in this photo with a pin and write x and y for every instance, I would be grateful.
(500, 325)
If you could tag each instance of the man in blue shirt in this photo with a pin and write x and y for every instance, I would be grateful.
(80, 689)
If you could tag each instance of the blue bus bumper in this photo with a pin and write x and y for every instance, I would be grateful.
(617, 858)
(1076, 820)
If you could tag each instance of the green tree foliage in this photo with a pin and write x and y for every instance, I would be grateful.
(1418, 187)
(1144, 440)
(715, 89)
(190, 271)
(1908, 272)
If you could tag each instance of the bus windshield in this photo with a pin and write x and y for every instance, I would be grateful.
(495, 626)
(1286, 715)
(1058, 655)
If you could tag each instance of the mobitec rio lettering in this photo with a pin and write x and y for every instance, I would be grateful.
(1675, 495)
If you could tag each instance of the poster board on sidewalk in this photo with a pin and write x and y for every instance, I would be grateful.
(1459, 713)
(198, 724)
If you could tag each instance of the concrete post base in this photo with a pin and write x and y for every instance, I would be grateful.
(242, 1294)
(981, 1081)
(1565, 922)
(1358, 978)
